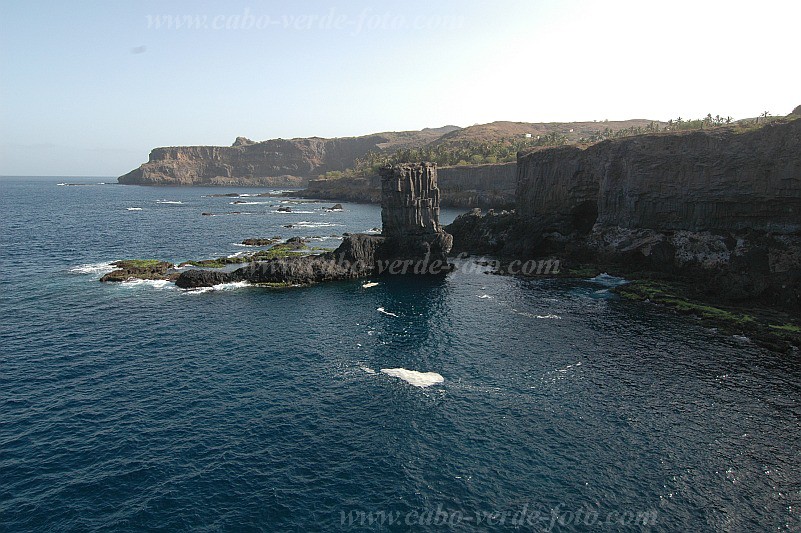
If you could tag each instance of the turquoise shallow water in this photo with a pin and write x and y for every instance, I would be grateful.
(143, 407)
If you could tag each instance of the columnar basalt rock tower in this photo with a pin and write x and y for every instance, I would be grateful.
(412, 241)
(410, 213)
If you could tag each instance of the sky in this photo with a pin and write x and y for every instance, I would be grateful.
(89, 88)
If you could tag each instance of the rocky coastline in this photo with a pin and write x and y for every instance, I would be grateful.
(704, 222)
(713, 217)
(412, 242)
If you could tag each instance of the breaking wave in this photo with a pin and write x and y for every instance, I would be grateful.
(608, 281)
(93, 268)
(413, 377)
(234, 285)
(154, 283)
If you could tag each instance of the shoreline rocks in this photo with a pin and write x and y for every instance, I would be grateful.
(140, 269)
(412, 241)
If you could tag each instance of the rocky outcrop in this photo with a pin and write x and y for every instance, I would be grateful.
(410, 213)
(720, 208)
(355, 257)
(498, 233)
(485, 186)
(412, 242)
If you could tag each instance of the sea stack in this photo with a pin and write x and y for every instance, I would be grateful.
(412, 241)
(410, 214)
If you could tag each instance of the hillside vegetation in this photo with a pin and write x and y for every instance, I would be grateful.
(499, 142)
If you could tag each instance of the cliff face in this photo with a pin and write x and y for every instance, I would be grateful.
(276, 162)
(721, 208)
(486, 186)
(714, 180)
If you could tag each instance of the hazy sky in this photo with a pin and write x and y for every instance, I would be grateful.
(88, 88)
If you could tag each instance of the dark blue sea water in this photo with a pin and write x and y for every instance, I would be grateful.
(143, 407)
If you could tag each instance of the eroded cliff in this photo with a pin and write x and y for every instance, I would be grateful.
(276, 162)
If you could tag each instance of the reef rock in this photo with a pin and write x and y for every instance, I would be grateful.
(137, 269)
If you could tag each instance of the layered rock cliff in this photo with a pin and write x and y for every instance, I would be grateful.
(271, 163)
(720, 207)
(695, 181)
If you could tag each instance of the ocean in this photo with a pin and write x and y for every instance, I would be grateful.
(549, 404)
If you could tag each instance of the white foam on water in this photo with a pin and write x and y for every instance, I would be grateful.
(154, 283)
(741, 338)
(369, 284)
(485, 297)
(134, 208)
(557, 317)
(382, 310)
(231, 286)
(307, 224)
(198, 290)
(93, 268)
(367, 369)
(219, 287)
(413, 377)
(568, 367)
(607, 280)
(174, 202)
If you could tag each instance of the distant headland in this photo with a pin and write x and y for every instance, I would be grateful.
(476, 164)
